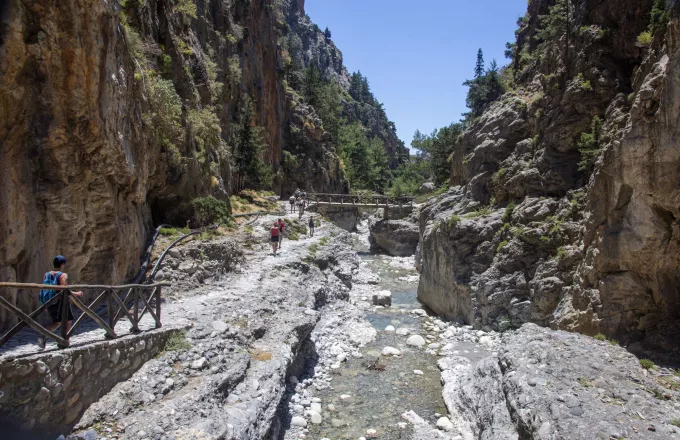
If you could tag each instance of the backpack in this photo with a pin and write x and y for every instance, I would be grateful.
(50, 280)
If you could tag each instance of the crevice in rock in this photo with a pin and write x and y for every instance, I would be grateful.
(301, 368)
(523, 432)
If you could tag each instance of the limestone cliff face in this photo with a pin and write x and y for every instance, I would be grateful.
(534, 232)
(115, 115)
(75, 169)
(629, 280)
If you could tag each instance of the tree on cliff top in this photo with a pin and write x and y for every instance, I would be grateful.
(479, 67)
(483, 89)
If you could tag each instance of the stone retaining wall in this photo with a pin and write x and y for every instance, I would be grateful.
(48, 392)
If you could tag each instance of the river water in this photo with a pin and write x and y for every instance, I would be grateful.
(379, 398)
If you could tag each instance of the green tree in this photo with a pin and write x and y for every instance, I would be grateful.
(590, 145)
(327, 34)
(248, 145)
(479, 66)
(484, 90)
(313, 85)
(552, 28)
(381, 175)
(659, 15)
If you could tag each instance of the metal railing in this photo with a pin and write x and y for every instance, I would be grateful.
(358, 199)
(113, 308)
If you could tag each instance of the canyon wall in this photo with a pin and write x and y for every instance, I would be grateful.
(115, 115)
(564, 209)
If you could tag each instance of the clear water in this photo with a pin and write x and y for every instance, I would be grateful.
(378, 398)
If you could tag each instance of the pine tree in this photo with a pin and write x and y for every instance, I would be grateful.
(248, 145)
(479, 67)
(327, 34)
(312, 86)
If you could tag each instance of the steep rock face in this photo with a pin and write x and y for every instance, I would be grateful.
(75, 172)
(305, 43)
(114, 116)
(523, 237)
(628, 283)
(398, 238)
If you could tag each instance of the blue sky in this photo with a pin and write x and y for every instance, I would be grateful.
(417, 55)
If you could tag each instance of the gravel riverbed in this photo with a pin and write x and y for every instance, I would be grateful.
(293, 347)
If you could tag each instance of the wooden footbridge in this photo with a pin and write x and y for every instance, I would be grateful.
(360, 201)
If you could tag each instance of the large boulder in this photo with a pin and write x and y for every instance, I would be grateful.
(398, 238)
(427, 188)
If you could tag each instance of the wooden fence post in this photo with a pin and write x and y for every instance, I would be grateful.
(65, 309)
(158, 306)
(109, 309)
(135, 308)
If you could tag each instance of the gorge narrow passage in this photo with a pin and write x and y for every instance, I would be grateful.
(374, 391)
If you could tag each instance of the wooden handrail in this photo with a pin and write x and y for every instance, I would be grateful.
(83, 286)
(65, 297)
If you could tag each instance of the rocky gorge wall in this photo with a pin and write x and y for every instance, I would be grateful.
(535, 231)
(114, 116)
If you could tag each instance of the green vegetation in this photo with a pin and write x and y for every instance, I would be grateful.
(248, 147)
(324, 241)
(675, 422)
(518, 231)
(485, 88)
(561, 253)
(205, 129)
(453, 221)
(645, 39)
(296, 227)
(185, 7)
(658, 21)
(173, 232)
(659, 16)
(293, 236)
(358, 129)
(209, 211)
(479, 213)
(589, 145)
(507, 215)
(647, 364)
(435, 151)
(501, 245)
(164, 117)
(600, 337)
(177, 342)
(583, 83)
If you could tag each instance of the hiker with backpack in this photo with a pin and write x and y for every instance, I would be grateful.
(56, 277)
(311, 226)
(292, 203)
(274, 237)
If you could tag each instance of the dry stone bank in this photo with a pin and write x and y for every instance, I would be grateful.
(49, 392)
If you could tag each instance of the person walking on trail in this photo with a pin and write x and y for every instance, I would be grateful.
(56, 277)
(311, 226)
(292, 203)
(275, 235)
(282, 227)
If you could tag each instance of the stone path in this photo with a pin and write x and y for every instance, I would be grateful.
(248, 328)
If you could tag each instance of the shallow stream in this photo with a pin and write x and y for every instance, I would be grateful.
(379, 397)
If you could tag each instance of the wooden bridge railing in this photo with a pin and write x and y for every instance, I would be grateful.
(359, 199)
(114, 308)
